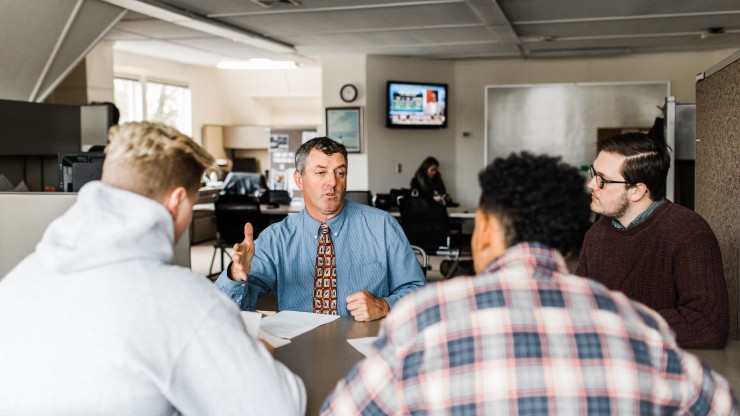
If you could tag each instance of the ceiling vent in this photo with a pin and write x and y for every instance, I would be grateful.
(277, 3)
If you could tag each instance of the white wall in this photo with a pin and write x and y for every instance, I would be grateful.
(337, 71)
(24, 217)
(99, 67)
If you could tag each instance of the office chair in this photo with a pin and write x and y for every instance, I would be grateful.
(426, 225)
(275, 198)
(397, 194)
(424, 262)
(382, 201)
(232, 212)
(362, 197)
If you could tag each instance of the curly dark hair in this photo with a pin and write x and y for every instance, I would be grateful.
(537, 198)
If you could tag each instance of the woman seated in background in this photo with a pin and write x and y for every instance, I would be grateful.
(427, 182)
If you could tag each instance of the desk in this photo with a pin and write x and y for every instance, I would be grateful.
(725, 361)
(264, 208)
(461, 219)
(280, 210)
(461, 214)
(322, 356)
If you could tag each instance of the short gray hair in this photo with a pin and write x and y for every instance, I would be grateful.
(327, 145)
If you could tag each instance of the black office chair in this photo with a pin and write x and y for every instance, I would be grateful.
(426, 225)
(397, 194)
(275, 198)
(232, 212)
(382, 201)
(362, 197)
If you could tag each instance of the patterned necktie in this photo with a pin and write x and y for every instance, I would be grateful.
(325, 280)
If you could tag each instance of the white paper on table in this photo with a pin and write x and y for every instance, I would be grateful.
(273, 340)
(362, 344)
(290, 324)
(251, 322)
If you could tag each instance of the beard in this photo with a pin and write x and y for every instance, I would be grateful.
(617, 212)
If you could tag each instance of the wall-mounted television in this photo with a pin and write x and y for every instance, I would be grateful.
(416, 105)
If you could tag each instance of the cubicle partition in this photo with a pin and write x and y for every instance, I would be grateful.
(718, 167)
(24, 217)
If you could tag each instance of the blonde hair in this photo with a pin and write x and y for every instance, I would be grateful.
(152, 159)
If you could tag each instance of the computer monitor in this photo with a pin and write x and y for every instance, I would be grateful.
(244, 183)
(244, 164)
(77, 169)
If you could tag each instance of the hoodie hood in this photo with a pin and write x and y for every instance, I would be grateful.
(105, 226)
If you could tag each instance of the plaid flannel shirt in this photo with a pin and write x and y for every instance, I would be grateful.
(527, 338)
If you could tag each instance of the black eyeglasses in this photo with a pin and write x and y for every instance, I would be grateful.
(600, 181)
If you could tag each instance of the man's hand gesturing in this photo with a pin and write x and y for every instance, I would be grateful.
(243, 253)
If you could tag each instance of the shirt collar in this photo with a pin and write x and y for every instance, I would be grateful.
(640, 218)
(535, 255)
(335, 224)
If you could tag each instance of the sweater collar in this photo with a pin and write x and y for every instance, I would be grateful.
(640, 218)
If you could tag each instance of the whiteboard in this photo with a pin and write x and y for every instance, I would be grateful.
(562, 119)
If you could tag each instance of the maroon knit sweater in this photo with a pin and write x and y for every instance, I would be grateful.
(670, 262)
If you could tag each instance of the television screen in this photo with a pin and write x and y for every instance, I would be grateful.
(416, 105)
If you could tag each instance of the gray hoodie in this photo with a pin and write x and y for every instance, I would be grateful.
(98, 321)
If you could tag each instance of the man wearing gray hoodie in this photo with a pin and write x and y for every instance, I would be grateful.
(99, 321)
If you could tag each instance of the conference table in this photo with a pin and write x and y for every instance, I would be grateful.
(322, 356)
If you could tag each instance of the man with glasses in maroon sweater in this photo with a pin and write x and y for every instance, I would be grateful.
(658, 253)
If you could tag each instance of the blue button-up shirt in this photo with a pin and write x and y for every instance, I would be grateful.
(372, 253)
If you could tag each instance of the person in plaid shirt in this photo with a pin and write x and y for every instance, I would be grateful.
(524, 336)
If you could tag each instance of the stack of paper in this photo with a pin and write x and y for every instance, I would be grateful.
(277, 329)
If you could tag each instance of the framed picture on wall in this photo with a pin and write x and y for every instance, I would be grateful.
(344, 124)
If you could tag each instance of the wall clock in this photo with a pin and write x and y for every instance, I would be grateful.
(348, 93)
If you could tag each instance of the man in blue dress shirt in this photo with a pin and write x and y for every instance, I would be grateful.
(375, 265)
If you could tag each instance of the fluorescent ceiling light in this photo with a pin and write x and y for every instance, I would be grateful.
(259, 63)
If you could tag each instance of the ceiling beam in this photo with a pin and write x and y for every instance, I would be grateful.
(161, 11)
